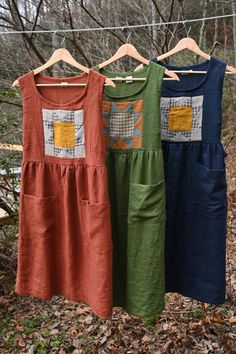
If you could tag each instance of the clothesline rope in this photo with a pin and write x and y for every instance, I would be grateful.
(92, 29)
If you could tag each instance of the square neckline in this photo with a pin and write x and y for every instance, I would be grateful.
(61, 79)
(187, 67)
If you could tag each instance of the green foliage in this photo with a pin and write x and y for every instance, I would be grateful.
(29, 326)
(33, 322)
(41, 349)
(9, 93)
(9, 344)
(197, 313)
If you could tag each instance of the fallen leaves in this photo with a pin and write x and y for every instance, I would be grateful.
(232, 319)
(186, 326)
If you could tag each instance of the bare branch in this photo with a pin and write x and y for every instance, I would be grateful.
(36, 16)
(99, 23)
(4, 206)
(158, 11)
(19, 24)
(12, 103)
(74, 37)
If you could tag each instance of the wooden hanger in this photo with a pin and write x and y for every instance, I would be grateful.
(130, 50)
(63, 54)
(189, 43)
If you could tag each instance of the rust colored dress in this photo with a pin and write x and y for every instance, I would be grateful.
(64, 245)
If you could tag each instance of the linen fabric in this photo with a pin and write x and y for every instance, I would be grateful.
(64, 245)
(136, 189)
(195, 178)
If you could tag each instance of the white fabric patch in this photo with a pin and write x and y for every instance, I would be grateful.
(195, 133)
(59, 115)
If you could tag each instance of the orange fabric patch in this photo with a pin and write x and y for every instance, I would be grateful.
(106, 106)
(64, 134)
(107, 140)
(105, 122)
(137, 142)
(180, 118)
(120, 144)
(138, 106)
(139, 123)
(122, 106)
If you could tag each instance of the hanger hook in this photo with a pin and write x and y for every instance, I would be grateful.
(189, 30)
(63, 39)
(128, 37)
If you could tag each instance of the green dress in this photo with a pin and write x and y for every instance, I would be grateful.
(131, 114)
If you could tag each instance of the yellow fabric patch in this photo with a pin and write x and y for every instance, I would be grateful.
(180, 118)
(64, 134)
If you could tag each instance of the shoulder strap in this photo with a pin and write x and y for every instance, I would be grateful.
(95, 68)
(94, 118)
(218, 74)
(25, 84)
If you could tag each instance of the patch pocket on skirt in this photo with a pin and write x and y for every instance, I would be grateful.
(207, 191)
(96, 225)
(146, 203)
(39, 216)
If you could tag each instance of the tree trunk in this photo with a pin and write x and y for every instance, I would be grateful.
(233, 3)
(216, 23)
(202, 36)
(154, 20)
(225, 29)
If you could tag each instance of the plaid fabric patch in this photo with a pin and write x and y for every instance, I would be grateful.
(57, 115)
(123, 124)
(195, 133)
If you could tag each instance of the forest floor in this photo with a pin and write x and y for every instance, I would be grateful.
(29, 325)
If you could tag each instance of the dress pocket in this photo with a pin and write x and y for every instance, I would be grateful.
(146, 203)
(96, 225)
(40, 218)
(207, 190)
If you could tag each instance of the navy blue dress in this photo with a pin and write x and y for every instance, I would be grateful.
(195, 182)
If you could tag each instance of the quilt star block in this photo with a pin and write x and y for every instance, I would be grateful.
(123, 124)
(63, 133)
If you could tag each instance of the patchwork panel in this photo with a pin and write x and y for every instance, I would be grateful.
(64, 133)
(123, 124)
(181, 118)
